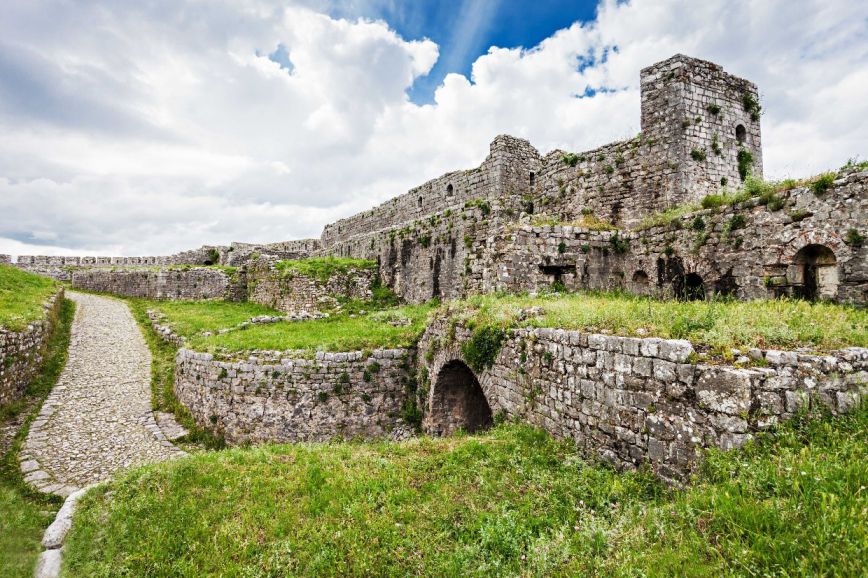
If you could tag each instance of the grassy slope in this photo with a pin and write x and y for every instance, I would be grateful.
(22, 295)
(24, 514)
(721, 325)
(163, 359)
(336, 333)
(510, 502)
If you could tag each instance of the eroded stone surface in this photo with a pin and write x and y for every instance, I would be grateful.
(98, 419)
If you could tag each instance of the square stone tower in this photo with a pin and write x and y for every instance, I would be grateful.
(706, 124)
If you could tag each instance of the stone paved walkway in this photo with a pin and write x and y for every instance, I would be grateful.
(98, 418)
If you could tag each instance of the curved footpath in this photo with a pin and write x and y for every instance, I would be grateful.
(97, 419)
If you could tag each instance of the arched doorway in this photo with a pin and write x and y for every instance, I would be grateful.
(816, 273)
(458, 401)
(691, 287)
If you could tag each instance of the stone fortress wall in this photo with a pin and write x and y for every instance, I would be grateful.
(21, 352)
(630, 400)
(290, 399)
(294, 293)
(174, 284)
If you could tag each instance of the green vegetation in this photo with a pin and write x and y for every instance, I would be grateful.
(198, 315)
(823, 183)
(24, 513)
(22, 295)
(570, 159)
(322, 268)
(751, 106)
(587, 221)
(698, 155)
(745, 161)
(854, 238)
(395, 327)
(719, 325)
(481, 204)
(482, 348)
(510, 502)
(713, 108)
(855, 164)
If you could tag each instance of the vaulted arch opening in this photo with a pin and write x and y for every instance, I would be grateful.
(691, 287)
(740, 133)
(816, 273)
(458, 401)
(450, 190)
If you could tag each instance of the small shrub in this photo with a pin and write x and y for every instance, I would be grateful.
(223, 373)
(715, 145)
(698, 224)
(713, 108)
(366, 398)
(619, 244)
(751, 106)
(619, 160)
(322, 396)
(585, 248)
(562, 247)
(609, 169)
(527, 205)
(745, 162)
(698, 155)
(570, 159)
(854, 238)
(774, 202)
(482, 348)
(587, 211)
(425, 241)
(799, 215)
(735, 222)
(685, 123)
(723, 181)
(823, 183)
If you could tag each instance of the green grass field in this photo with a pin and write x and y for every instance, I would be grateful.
(21, 296)
(510, 502)
(783, 324)
(719, 326)
(24, 514)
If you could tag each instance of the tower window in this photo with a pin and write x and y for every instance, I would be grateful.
(420, 202)
(450, 190)
(532, 178)
(740, 133)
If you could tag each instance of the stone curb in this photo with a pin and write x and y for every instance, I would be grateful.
(51, 559)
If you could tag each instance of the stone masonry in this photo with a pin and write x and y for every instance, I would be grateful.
(184, 283)
(640, 400)
(21, 352)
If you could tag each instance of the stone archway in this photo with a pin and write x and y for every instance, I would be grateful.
(457, 401)
(815, 273)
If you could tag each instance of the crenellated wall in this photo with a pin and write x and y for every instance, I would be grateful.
(182, 283)
(21, 352)
(631, 400)
(284, 398)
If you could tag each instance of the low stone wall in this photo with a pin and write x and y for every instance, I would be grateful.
(21, 352)
(292, 292)
(634, 400)
(278, 398)
(5, 259)
(194, 283)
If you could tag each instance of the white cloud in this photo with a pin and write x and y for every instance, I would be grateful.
(143, 129)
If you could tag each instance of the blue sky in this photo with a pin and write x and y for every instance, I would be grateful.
(465, 29)
(142, 128)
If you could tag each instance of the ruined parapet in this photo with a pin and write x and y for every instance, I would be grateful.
(5, 259)
(168, 283)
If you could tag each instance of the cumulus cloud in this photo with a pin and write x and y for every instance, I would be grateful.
(153, 127)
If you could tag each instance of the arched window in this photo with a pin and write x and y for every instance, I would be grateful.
(450, 190)
(532, 178)
(816, 273)
(740, 133)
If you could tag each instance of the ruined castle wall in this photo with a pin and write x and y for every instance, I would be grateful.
(285, 399)
(5, 259)
(194, 283)
(749, 250)
(506, 171)
(636, 401)
(21, 352)
(687, 105)
(292, 293)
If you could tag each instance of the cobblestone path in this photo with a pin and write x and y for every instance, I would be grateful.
(98, 418)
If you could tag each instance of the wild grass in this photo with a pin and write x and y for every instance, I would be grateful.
(347, 331)
(719, 325)
(510, 502)
(24, 513)
(21, 296)
(587, 221)
(163, 360)
(323, 267)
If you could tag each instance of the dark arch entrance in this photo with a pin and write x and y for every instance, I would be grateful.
(816, 273)
(691, 288)
(458, 401)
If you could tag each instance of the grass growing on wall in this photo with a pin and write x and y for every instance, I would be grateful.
(163, 365)
(721, 325)
(510, 502)
(192, 317)
(24, 513)
(22, 295)
(322, 268)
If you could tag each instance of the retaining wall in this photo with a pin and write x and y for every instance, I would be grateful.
(21, 352)
(194, 283)
(634, 400)
(292, 292)
(279, 398)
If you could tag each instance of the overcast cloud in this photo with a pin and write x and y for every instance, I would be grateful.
(147, 128)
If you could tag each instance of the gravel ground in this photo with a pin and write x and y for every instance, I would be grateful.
(98, 418)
